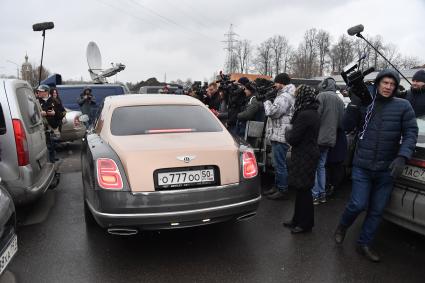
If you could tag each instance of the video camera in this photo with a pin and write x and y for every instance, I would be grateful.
(200, 91)
(352, 74)
(265, 89)
(354, 79)
(233, 93)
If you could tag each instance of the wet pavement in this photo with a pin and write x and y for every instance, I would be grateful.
(54, 246)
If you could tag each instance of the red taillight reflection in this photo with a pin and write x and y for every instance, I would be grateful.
(249, 165)
(162, 131)
(416, 162)
(108, 174)
(21, 142)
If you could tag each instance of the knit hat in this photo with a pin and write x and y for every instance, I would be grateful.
(419, 76)
(243, 80)
(282, 78)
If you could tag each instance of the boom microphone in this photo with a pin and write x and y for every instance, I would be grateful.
(355, 30)
(42, 26)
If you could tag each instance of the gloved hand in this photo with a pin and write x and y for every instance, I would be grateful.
(397, 166)
(360, 90)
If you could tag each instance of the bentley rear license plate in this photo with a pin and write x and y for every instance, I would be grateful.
(414, 173)
(186, 178)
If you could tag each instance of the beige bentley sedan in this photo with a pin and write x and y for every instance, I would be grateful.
(164, 161)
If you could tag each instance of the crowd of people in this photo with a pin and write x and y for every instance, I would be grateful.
(313, 123)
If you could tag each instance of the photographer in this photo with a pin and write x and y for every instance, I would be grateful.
(279, 111)
(386, 140)
(87, 103)
(250, 109)
(233, 97)
(51, 111)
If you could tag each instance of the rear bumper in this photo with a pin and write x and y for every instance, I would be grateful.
(22, 193)
(407, 208)
(175, 209)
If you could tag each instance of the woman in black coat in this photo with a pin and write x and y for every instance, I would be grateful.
(304, 157)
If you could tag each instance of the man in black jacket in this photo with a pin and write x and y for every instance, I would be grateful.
(50, 111)
(250, 110)
(416, 94)
(386, 140)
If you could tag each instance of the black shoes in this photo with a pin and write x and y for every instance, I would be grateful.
(270, 191)
(368, 253)
(289, 224)
(279, 196)
(299, 230)
(340, 234)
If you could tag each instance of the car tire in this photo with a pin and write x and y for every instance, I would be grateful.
(88, 217)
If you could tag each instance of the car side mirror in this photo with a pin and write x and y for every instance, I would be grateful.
(84, 118)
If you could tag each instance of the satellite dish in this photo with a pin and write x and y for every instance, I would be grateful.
(94, 60)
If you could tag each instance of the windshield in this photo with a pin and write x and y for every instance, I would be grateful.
(159, 119)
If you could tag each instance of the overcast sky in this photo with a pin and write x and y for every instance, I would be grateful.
(184, 38)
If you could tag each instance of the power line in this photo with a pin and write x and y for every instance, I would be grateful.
(230, 47)
(170, 20)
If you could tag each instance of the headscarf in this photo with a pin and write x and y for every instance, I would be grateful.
(305, 98)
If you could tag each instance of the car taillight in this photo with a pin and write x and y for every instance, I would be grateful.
(108, 174)
(77, 122)
(249, 165)
(21, 142)
(416, 162)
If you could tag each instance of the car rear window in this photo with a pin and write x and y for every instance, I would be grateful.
(157, 119)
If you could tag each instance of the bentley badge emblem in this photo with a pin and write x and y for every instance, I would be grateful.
(186, 159)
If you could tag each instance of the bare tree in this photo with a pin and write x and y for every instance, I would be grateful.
(280, 47)
(323, 47)
(243, 54)
(361, 48)
(377, 42)
(408, 62)
(390, 51)
(288, 59)
(263, 60)
(342, 53)
(305, 59)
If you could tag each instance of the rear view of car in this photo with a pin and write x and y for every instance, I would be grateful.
(24, 168)
(407, 205)
(162, 162)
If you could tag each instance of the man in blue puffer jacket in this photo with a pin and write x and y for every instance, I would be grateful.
(387, 133)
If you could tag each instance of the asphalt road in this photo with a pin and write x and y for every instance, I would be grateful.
(54, 246)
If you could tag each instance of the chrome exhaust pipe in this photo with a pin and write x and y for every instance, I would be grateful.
(246, 216)
(122, 231)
